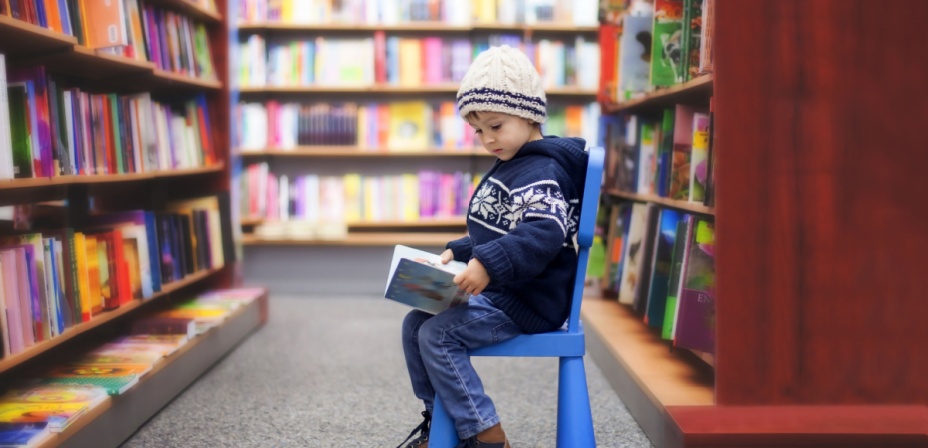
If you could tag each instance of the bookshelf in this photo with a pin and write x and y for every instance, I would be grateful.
(373, 160)
(73, 198)
(817, 251)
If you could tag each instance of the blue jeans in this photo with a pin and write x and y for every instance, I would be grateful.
(436, 357)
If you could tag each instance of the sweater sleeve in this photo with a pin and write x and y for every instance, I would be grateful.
(541, 230)
(461, 248)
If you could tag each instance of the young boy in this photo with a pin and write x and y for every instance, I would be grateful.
(520, 250)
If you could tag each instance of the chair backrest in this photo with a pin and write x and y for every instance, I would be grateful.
(589, 206)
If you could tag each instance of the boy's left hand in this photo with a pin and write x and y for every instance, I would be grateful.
(474, 278)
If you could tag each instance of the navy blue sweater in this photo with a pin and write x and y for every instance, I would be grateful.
(522, 225)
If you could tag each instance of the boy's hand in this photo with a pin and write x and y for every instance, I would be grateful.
(447, 256)
(474, 278)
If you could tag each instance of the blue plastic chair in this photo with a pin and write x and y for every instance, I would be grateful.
(574, 419)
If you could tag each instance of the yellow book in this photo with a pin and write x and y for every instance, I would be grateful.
(353, 204)
(95, 298)
(410, 62)
(485, 11)
(83, 275)
(409, 129)
(410, 197)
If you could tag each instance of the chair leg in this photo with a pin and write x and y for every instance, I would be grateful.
(574, 418)
(442, 433)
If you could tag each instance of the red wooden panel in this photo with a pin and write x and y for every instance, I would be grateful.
(800, 426)
(821, 113)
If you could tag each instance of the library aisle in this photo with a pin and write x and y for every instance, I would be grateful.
(329, 372)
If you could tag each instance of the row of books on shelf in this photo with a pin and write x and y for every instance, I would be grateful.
(54, 279)
(130, 28)
(354, 197)
(395, 126)
(661, 263)
(393, 12)
(48, 129)
(655, 44)
(38, 405)
(669, 157)
(405, 61)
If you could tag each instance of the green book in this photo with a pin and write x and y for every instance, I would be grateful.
(19, 131)
(667, 43)
(676, 273)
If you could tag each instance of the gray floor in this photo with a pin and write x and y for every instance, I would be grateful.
(330, 372)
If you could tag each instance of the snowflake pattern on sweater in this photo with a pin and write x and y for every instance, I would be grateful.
(497, 208)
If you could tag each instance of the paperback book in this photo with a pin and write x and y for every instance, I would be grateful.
(419, 279)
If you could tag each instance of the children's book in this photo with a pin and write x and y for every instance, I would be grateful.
(23, 434)
(57, 415)
(420, 280)
(115, 379)
(56, 393)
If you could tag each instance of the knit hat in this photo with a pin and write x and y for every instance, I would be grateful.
(502, 79)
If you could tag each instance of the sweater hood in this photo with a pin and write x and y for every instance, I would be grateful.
(569, 152)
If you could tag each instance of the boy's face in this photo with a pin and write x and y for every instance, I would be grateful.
(503, 134)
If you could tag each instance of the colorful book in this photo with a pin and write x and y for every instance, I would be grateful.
(115, 379)
(696, 319)
(699, 158)
(419, 279)
(56, 393)
(635, 56)
(667, 46)
(24, 435)
(633, 253)
(56, 414)
(661, 266)
(680, 250)
(682, 153)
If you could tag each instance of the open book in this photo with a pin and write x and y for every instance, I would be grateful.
(420, 280)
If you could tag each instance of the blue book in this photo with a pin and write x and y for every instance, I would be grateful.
(661, 266)
(23, 434)
(419, 279)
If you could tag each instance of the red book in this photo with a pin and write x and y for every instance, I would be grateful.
(608, 82)
(123, 284)
(380, 57)
(209, 155)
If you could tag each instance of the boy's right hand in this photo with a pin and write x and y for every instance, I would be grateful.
(447, 256)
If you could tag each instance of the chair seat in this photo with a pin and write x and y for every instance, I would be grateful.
(553, 344)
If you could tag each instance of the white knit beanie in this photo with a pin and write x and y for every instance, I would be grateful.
(502, 79)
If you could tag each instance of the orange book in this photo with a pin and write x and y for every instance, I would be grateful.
(53, 16)
(105, 24)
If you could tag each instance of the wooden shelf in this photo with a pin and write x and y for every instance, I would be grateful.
(55, 182)
(354, 151)
(422, 223)
(672, 399)
(115, 420)
(695, 91)
(22, 38)
(61, 54)
(433, 27)
(449, 88)
(361, 239)
(538, 28)
(191, 9)
(168, 79)
(101, 319)
(692, 207)
(458, 221)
